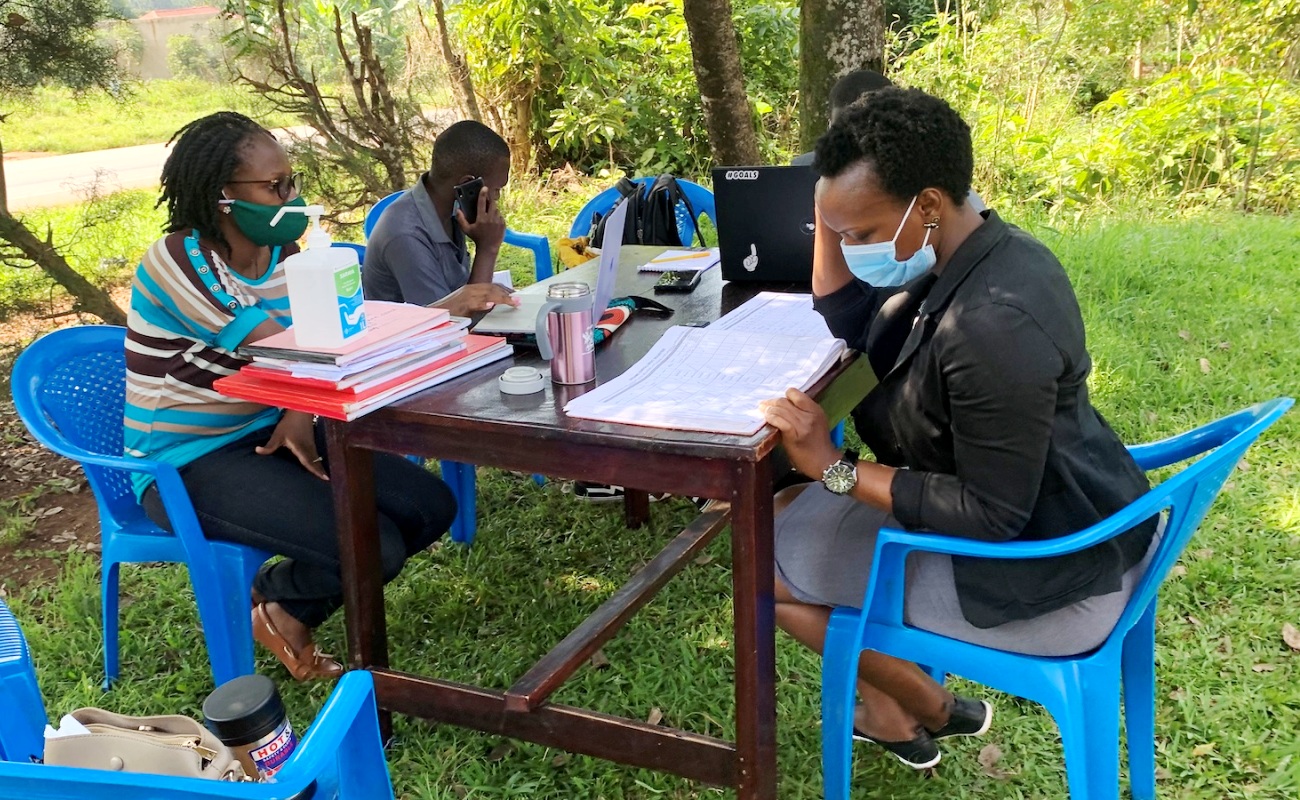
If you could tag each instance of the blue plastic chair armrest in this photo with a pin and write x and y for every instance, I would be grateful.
(339, 735)
(540, 246)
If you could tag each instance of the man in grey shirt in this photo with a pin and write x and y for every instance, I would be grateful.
(418, 251)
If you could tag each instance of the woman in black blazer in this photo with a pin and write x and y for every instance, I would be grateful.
(980, 425)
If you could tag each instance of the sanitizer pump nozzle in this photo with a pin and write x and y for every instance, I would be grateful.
(316, 236)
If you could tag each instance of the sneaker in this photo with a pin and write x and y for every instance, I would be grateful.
(969, 717)
(918, 753)
(596, 492)
(602, 492)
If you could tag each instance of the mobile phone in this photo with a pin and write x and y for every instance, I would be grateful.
(678, 280)
(467, 197)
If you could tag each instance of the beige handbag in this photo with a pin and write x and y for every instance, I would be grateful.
(170, 745)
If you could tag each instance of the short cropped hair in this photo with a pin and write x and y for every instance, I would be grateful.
(849, 88)
(466, 148)
(911, 140)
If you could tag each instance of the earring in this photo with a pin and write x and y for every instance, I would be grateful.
(225, 209)
(932, 224)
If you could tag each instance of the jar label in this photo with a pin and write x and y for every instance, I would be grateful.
(272, 755)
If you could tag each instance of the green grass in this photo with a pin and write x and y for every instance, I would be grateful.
(1157, 298)
(57, 120)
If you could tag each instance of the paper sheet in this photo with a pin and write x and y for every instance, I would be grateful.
(709, 380)
(682, 260)
(776, 312)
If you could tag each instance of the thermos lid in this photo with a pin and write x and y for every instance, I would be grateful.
(244, 709)
(521, 380)
(561, 291)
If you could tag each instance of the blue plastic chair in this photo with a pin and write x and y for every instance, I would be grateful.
(341, 753)
(700, 197)
(538, 244)
(359, 248)
(24, 713)
(1081, 692)
(69, 388)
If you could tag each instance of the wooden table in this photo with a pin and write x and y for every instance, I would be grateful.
(471, 421)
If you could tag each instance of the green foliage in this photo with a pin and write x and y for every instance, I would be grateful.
(1072, 104)
(103, 239)
(1157, 297)
(609, 83)
(190, 57)
(345, 68)
(59, 120)
(54, 41)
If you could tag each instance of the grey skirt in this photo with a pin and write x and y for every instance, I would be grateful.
(824, 547)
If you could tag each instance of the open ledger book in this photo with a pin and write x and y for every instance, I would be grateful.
(712, 379)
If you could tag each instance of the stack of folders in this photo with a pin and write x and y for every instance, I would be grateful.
(405, 349)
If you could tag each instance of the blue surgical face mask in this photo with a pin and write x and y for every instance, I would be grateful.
(878, 264)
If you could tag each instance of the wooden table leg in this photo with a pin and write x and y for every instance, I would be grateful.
(752, 577)
(636, 507)
(352, 478)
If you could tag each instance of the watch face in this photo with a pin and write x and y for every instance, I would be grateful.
(840, 477)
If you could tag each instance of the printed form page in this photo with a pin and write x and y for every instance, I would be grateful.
(709, 380)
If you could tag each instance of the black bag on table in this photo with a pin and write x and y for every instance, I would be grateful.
(651, 214)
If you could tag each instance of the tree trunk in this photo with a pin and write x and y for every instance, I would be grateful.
(836, 37)
(457, 69)
(4, 187)
(715, 55)
(89, 298)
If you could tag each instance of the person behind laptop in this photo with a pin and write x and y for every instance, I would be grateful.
(418, 252)
(847, 90)
(855, 87)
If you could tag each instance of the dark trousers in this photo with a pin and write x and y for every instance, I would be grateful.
(272, 503)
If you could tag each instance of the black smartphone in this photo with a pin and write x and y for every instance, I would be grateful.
(678, 280)
(467, 197)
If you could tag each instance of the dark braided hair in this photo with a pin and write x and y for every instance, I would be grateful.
(911, 140)
(206, 154)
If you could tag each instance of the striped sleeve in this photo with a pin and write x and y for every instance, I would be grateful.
(181, 298)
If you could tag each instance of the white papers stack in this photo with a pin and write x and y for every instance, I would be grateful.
(709, 379)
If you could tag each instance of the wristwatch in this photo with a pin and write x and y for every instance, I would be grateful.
(842, 476)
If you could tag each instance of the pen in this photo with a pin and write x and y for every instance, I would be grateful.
(701, 254)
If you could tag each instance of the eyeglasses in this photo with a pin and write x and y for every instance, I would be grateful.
(284, 187)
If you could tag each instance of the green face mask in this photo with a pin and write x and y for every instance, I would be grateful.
(254, 221)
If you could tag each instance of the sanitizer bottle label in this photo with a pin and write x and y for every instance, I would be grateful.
(352, 312)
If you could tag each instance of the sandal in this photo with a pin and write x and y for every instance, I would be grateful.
(303, 665)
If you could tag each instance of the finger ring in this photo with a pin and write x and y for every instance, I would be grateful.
(317, 458)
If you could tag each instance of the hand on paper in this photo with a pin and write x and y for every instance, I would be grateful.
(295, 431)
(473, 298)
(804, 432)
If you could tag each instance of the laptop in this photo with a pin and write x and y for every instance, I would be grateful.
(765, 223)
(521, 319)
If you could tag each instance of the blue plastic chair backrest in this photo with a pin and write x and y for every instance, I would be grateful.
(359, 249)
(23, 720)
(1189, 494)
(376, 211)
(69, 387)
(700, 197)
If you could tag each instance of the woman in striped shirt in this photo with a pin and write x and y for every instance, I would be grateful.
(256, 475)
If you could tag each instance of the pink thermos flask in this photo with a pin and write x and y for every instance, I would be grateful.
(564, 333)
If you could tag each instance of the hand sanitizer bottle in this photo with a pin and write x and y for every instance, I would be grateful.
(324, 288)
